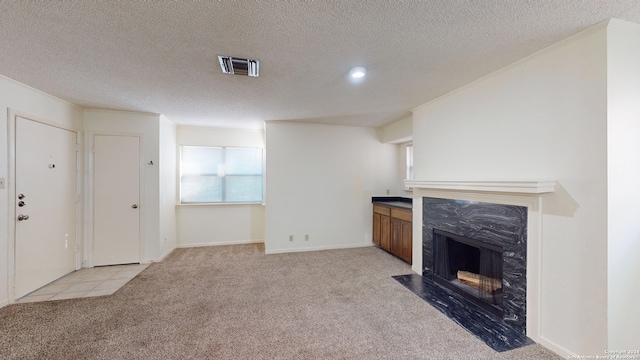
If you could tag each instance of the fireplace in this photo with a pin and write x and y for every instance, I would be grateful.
(503, 213)
(485, 245)
(470, 267)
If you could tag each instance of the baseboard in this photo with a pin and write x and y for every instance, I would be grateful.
(159, 259)
(318, 248)
(4, 303)
(166, 254)
(556, 348)
(218, 243)
(416, 269)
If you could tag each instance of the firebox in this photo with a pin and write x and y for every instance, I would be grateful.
(470, 267)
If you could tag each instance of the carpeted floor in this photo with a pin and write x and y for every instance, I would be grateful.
(234, 302)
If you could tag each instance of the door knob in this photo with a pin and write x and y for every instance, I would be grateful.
(134, 206)
(21, 203)
(23, 217)
(21, 196)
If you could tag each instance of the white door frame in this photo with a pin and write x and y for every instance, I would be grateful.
(89, 192)
(11, 194)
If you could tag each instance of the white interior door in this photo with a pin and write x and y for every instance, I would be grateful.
(116, 200)
(45, 228)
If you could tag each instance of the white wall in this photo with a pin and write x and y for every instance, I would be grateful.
(168, 190)
(207, 225)
(401, 168)
(148, 127)
(320, 180)
(543, 117)
(37, 105)
(623, 146)
(218, 224)
(399, 131)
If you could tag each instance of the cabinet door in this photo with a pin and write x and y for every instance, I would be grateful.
(396, 236)
(377, 222)
(385, 232)
(401, 239)
(406, 242)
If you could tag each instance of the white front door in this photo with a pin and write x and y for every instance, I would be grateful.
(116, 200)
(45, 208)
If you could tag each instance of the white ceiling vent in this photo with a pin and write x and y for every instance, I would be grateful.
(237, 66)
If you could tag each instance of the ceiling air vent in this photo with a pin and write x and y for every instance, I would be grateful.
(237, 66)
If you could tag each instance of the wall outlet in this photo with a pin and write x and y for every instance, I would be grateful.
(290, 237)
(306, 237)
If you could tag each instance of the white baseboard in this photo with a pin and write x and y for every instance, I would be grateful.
(159, 259)
(416, 270)
(166, 254)
(219, 243)
(556, 348)
(319, 248)
(4, 303)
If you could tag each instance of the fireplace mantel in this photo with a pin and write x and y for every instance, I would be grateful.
(496, 186)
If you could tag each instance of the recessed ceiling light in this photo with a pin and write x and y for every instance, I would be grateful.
(357, 72)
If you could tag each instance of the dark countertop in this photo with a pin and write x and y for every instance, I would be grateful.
(393, 201)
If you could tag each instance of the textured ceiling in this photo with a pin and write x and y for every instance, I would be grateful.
(161, 56)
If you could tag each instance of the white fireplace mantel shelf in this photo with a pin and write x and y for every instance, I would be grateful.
(496, 186)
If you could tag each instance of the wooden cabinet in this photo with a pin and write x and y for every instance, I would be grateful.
(392, 230)
(382, 226)
(401, 234)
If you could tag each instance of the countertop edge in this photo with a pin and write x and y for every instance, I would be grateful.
(393, 201)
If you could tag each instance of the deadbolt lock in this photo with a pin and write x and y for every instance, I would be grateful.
(21, 203)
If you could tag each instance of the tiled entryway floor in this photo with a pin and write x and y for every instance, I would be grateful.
(97, 281)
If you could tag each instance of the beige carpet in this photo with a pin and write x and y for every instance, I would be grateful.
(234, 302)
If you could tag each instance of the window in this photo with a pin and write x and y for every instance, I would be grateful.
(220, 175)
(409, 157)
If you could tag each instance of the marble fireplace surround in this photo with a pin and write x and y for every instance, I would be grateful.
(526, 193)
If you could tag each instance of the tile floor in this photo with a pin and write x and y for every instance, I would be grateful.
(97, 281)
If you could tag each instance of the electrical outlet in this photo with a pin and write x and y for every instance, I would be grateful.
(290, 237)
(306, 237)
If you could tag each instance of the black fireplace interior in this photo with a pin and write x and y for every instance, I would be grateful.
(469, 267)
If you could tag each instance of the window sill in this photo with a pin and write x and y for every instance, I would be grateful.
(218, 204)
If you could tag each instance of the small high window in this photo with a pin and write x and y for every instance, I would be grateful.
(409, 165)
